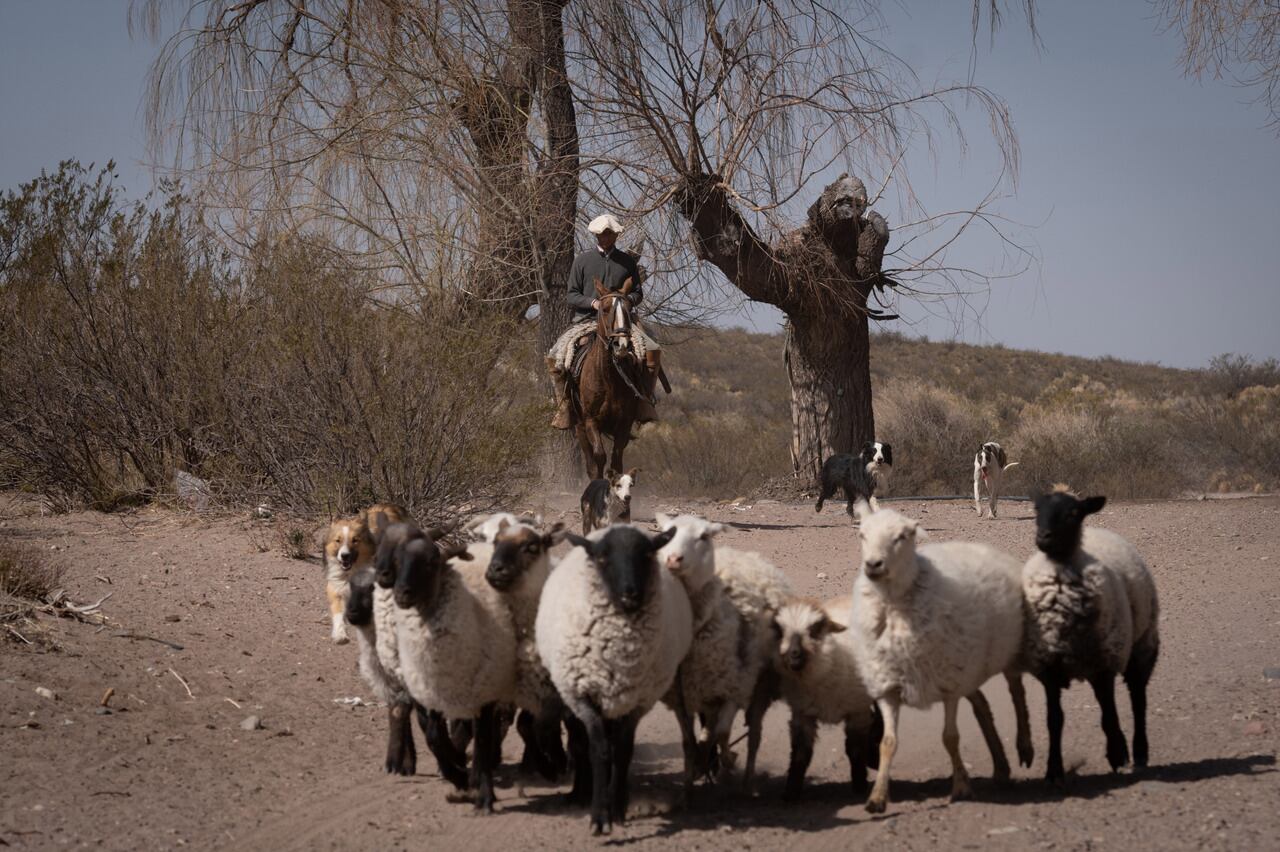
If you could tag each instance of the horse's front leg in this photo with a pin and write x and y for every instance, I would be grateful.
(621, 437)
(593, 448)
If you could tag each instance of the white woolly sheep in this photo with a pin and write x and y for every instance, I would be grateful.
(820, 682)
(518, 569)
(486, 527)
(718, 676)
(933, 625)
(759, 591)
(1092, 613)
(612, 629)
(741, 633)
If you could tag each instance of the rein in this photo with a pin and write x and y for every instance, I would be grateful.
(624, 333)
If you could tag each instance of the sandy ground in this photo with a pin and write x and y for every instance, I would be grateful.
(168, 769)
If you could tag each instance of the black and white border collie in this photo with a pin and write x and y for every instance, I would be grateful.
(607, 501)
(858, 476)
(989, 466)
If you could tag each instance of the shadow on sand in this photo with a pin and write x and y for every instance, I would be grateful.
(712, 808)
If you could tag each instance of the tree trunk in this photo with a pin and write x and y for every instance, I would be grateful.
(829, 369)
(557, 211)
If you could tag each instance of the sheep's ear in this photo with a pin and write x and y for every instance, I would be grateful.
(714, 529)
(663, 538)
(457, 551)
(663, 521)
(578, 541)
(555, 535)
(862, 509)
(1090, 505)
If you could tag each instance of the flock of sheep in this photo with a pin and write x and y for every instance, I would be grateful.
(463, 635)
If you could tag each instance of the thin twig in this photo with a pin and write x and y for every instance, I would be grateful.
(142, 636)
(19, 635)
(183, 682)
(233, 703)
(88, 608)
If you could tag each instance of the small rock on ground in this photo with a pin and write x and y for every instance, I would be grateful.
(252, 723)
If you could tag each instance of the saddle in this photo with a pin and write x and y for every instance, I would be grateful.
(581, 348)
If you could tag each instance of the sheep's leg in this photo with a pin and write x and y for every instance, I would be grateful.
(579, 750)
(624, 745)
(960, 788)
(888, 745)
(529, 762)
(1026, 751)
(761, 698)
(1142, 661)
(855, 748)
(402, 757)
(977, 494)
(1104, 688)
(451, 761)
(720, 738)
(601, 749)
(546, 733)
(482, 762)
(982, 712)
(1053, 703)
(804, 729)
(688, 739)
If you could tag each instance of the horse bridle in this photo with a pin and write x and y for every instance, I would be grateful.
(624, 332)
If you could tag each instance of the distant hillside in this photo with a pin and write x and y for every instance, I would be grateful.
(1123, 428)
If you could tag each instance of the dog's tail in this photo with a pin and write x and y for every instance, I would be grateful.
(1012, 464)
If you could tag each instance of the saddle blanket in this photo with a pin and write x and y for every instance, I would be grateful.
(563, 349)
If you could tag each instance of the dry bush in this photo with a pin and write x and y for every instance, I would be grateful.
(934, 434)
(131, 349)
(26, 571)
(713, 456)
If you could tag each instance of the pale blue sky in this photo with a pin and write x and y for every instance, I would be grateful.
(1155, 199)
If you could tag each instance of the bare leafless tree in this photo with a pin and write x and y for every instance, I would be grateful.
(1235, 38)
(734, 114)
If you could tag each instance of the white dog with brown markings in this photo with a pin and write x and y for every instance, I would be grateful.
(989, 466)
(349, 544)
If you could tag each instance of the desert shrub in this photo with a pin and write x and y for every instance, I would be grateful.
(1229, 374)
(722, 455)
(934, 433)
(131, 348)
(27, 572)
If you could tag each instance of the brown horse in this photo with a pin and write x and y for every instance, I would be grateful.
(605, 400)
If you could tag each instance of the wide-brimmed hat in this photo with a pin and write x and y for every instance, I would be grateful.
(607, 222)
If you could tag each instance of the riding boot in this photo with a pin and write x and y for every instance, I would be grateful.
(564, 411)
(646, 412)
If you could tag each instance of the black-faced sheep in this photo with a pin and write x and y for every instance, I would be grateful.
(612, 629)
(1092, 613)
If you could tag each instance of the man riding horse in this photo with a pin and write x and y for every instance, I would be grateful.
(612, 267)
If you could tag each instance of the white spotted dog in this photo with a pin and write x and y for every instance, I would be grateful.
(349, 544)
(989, 466)
(859, 477)
(607, 501)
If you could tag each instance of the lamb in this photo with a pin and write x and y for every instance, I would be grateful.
(612, 630)
(457, 646)
(518, 569)
(1092, 613)
(820, 682)
(735, 596)
(932, 625)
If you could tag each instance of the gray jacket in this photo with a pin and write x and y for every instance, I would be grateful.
(612, 270)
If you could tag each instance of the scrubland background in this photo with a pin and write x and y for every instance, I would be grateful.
(132, 347)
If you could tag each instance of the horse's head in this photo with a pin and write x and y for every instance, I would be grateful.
(613, 318)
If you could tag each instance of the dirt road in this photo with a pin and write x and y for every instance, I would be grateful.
(167, 769)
